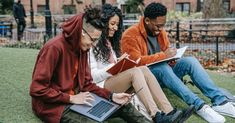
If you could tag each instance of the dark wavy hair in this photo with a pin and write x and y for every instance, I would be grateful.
(92, 15)
(154, 10)
(101, 50)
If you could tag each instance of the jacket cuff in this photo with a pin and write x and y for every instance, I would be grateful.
(65, 98)
(162, 55)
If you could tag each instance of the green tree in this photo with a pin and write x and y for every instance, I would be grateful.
(213, 9)
(6, 6)
(0, 7)
(198, 9)
(135, 6)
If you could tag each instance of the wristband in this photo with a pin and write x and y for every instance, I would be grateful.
(111, 97)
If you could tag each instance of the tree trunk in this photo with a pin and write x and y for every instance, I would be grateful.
(103, 2)
(213, 9)
(198, 6)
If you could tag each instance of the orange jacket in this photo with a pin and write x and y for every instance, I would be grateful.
(134, 42)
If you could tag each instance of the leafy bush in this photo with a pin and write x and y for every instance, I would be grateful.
(24, 44)
(174, 15)
(231, 34)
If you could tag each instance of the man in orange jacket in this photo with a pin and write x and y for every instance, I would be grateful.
(148, 40)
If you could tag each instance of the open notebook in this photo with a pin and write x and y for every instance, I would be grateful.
(178, 55)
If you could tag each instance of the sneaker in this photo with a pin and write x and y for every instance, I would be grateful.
(172, 117)
(233, 103)
(187, 113)
(208, 114)
(226, 109)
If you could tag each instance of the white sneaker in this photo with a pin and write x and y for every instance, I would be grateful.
(233, 103)
(208, 114)
(227, 109)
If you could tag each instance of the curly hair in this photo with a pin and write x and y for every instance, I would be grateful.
(101, 50)
(92, 15)
(154, 10)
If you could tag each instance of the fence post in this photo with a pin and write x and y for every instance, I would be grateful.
(190, 30)
(217, 50)
(11, 32)
(55, 26)
(177, 34)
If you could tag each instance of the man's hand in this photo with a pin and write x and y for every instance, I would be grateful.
(170, 52)
(121, 98)
(172, 63)
(82, 98)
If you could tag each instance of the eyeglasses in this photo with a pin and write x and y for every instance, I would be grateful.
(88, 35)
(159, 26)
(94, 42)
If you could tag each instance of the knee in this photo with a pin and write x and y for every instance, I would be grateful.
(189, 60)
(144, 69)
(135, 71)
(160, 67)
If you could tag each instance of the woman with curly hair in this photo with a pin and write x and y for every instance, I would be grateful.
(104, 55)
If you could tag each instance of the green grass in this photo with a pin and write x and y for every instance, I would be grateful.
(16, 67)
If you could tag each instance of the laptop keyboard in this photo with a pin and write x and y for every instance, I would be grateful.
(100, 109)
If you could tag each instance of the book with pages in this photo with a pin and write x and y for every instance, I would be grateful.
(178, 55)
(123, 64)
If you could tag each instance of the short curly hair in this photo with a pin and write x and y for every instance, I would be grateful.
(154, 10)
(92, 15)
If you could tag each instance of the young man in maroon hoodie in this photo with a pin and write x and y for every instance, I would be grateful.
(62, 77)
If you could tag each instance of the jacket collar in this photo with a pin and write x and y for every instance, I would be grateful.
(162, 37)
(142, 28)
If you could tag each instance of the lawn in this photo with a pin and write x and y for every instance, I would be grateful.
(16, 67)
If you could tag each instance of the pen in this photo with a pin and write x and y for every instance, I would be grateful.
(133, 94)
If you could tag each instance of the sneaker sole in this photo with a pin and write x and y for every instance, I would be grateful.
(223, 113)
(187, 114)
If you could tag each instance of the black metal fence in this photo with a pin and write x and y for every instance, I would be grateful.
(6, 29)
(212, 41)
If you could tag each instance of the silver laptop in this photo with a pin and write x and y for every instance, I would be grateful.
(100, 110)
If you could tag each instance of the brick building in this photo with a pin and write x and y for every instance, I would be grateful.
(76, 6)
(61, 6)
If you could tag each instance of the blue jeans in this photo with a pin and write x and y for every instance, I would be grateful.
(171, 78)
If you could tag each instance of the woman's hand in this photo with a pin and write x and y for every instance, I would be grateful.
(82, 98)
(121, 98)
(123, 56)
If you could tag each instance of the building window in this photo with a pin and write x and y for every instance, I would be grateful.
(69, 9)
(226, 4)
(41, 9)
(183, 7)
(123, 9)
